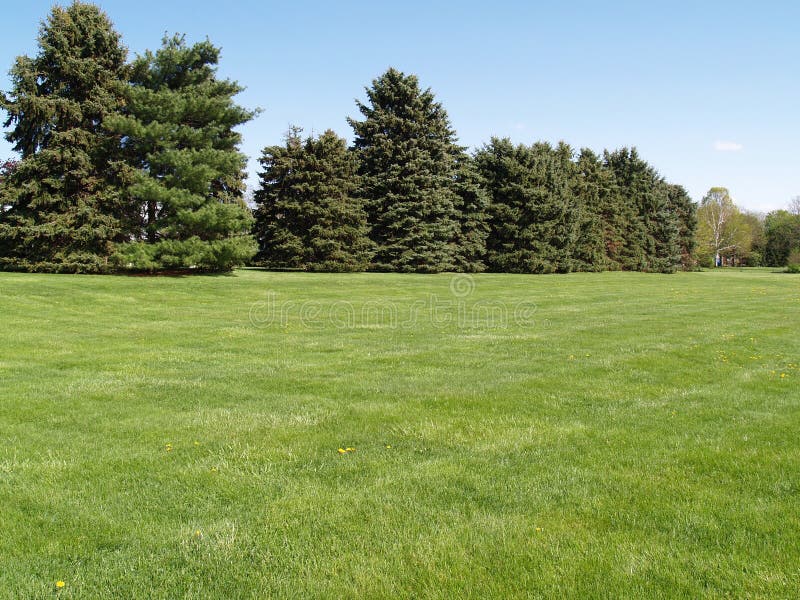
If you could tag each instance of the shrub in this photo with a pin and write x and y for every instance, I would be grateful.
(793, 264)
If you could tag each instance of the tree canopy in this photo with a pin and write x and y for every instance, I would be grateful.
(136, 166)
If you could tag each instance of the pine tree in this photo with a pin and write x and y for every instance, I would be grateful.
(533, 216)
(65, 208)
(408, 162)
(188, 175)
(308, 216)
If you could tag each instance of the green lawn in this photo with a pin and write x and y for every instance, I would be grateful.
(633, 436)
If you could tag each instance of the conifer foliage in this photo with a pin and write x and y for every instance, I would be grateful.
(308, 216)
(533, 222)
(65, 208)
(652, 226)
(187, 174)
(408, 162)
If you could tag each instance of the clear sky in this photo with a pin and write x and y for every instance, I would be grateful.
(708, 91)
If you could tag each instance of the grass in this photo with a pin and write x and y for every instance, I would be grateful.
(619, 435)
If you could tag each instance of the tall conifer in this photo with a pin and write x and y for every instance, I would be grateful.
(64, 199)
(408, 162)
(533, 216)
(188, 175)
(308, 216)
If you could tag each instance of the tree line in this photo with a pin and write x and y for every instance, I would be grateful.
(135, 165)
(729, 236)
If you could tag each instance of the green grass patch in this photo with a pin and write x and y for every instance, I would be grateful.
(586, 435)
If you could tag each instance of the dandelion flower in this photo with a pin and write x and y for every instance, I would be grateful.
(60, 584)
(342, 451)
(350, 449)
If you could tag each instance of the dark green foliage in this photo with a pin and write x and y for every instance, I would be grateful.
(651, 232)
(409, 162)
(533, 216)
(685, 210)
(472, 210)
(782, 230)
(793, 262)
(602, 237)
(66, 208)
(187, 174)
(308, 216)
(588, 253)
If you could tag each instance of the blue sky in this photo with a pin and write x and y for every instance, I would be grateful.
(709, 92)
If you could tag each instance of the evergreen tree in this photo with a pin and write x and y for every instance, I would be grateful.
(408, 162)
(652, 234)
(188, 175)
(602, 237)
(65, 208)
(682, 206)
(533, 216)
(308, 216)
(472, 206)
(588, 253)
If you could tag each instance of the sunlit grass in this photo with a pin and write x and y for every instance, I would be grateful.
(625, 435)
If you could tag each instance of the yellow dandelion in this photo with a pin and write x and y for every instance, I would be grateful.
(198, 533)
(350, 449)
(197, 443)
(342, 451)
(387, 447)
(538, 529)
(783, 375)
(60, 584)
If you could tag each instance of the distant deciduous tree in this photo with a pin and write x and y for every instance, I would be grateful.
(718, 226)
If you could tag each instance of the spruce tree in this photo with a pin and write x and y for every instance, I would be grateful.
(472, 210)
(533, 216)
(408, 163)
(601, 237)
(308, 216)
(187, 176)
(65, 209)
(682, 206)
(652, 232)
